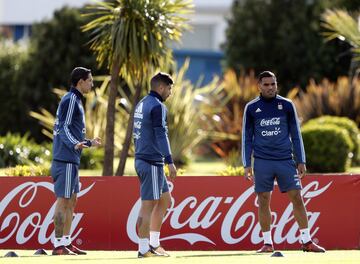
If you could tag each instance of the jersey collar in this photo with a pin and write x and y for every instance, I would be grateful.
(155, 94)
(76, 92)
(268, 99)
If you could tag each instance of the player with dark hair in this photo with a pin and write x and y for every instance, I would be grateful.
(69, 140)
(271, 135)
(152, 150)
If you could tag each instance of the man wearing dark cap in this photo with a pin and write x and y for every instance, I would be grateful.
(152, 151)
(69, 140)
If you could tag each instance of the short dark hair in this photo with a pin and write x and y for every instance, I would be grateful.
(266, 74)
(159, 78)
(79, 73)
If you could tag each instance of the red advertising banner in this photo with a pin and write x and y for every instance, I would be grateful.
(207, 213)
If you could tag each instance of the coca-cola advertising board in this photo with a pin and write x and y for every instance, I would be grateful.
(207, 213)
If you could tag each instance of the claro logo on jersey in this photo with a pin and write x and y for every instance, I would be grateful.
(275, 121)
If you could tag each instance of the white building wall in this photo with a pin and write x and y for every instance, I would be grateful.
(208, 21)
(26, 12)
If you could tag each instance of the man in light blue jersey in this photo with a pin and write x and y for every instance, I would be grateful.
(152, 151)
(69, 140)
(271, 136)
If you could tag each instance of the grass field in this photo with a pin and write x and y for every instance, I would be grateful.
(191, 257)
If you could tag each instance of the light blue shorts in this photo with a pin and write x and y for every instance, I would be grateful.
(152, 180)
(284, 171)
(65, 177)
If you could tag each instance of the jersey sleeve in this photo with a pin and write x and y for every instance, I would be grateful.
(247, 137)
(295, 133)
(66, 115)
(158, 117)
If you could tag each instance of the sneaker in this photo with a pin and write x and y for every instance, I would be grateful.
(160, 251)
(148, 254)
(76, 250)
(312, 247)
(62, 250)
(266, 248)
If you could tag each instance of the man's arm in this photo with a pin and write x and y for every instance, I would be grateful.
(296, 137)
(247, 138)
(66, 116)
(93, 142)
(247, 142)
(158, 117)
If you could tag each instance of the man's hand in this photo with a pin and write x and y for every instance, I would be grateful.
(95, 142)
(81, 145)
(248, 173)
(172, 171)
(301, 170)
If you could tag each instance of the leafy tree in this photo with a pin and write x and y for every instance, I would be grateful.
(285, 36)
(12, 58)
(131, 38)
(56, 47)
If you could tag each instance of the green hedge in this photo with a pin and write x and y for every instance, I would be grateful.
(92, 158)
(26, 170)
(327, 148)
(345, 123)
(20, 150)
(232, 171)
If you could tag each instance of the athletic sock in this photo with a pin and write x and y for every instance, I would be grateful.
(154, 239)
(144, 245)
(58, 242)
(267, 237)
(66, 240)
(305, 235)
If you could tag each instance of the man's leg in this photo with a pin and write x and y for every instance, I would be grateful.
(159, 211)
(62, 207)
(299, 209)
(302, 220)
(67, 227)
(70, 214)
(264, 213)
(60, 215)
(157, 217)
(143, 224)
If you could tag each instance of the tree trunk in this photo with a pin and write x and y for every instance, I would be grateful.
(108, 167)
(129, 131)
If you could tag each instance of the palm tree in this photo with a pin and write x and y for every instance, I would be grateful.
(132, 37)
(340, 24)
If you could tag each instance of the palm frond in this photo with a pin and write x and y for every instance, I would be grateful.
(340, 24)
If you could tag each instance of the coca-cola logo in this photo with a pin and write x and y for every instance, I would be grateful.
(275, 121)
(236, 225)
(24, 228)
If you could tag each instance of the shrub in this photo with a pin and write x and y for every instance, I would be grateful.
(327, 148)
(223, 110)
(25, 170)
(184, 115)
(20, 150)
(326, 98)
(92, 158)
(179, 171)
(231, 171)
(345, 123)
